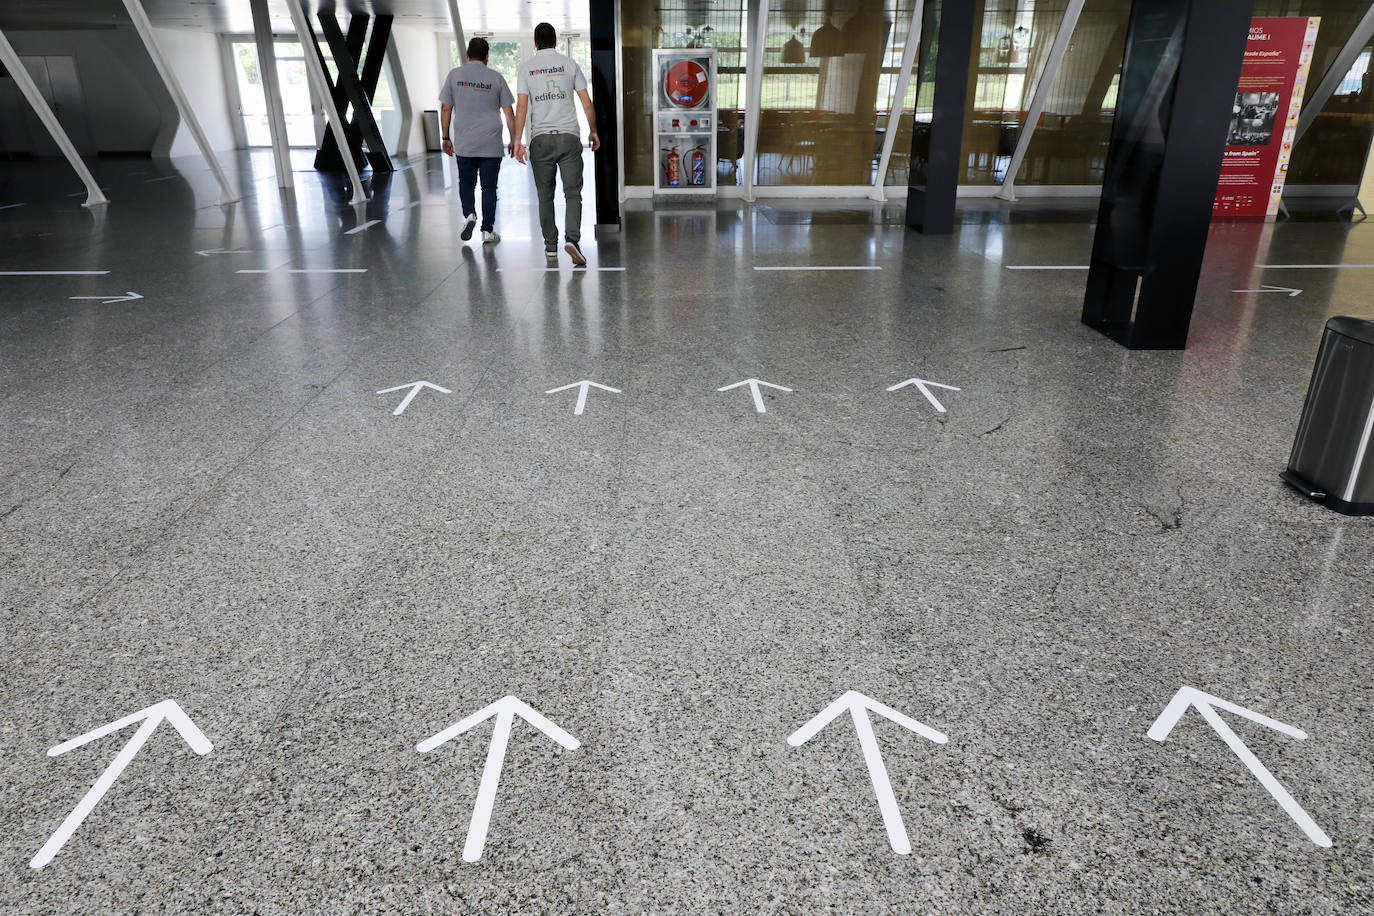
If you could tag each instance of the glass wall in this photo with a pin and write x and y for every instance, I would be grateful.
(720, 24)
(295, 94)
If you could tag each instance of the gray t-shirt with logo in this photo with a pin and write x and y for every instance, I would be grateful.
(477, 94)
(550, 80)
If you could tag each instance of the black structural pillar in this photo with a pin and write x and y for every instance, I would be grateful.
(1173, 109)
(936, 153)
(607, 169)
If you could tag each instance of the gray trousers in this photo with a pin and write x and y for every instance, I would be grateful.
(551, 154)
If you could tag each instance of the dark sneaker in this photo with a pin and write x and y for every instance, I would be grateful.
(467, 229)
(576, 254)
(551, 252)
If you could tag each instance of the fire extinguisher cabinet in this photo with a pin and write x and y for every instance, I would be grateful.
(685, 121)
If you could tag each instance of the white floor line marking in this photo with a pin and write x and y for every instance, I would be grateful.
(10, 206)
(1046, 266)
(921, 384)
(505, 710)
(1266, 288)
(356, 229)
(151, 718)
(77, 194)
(413, 203)
(128, 296)
(554, 270)
(206, 252)
(859, 707)
(163, 178)
(582, 387)
(1207, 706)
(253, 270)
(870, 267)
(754, 384)
(1316, 266)
(327, 270)
(53, 273)
(415, 388)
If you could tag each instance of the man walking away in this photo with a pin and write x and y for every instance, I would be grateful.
(545, 90)
(477, 94)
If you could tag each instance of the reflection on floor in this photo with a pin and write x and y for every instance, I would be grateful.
(414, 576)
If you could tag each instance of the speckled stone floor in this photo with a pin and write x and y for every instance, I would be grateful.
(204, 498)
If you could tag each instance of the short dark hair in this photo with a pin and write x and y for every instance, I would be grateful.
(478, 49)
(544, 36)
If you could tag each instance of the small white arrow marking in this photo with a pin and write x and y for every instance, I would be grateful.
(356, 229)
(414, 390)
(582, 387)
(206, 252)
(754, 384)
(505, 710)
(1266, 288)
(859, 707)
(129, 296)
(1207, 706)
(151, 718)
(921, 384)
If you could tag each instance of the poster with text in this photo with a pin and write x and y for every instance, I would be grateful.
(1264, 117)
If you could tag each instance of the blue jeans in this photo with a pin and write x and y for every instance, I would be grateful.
(469, 167)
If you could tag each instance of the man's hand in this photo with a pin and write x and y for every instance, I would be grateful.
(522, 155)
(510, 148)
(594, 141)
(448, 147)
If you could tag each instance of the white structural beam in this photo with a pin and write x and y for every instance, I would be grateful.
(1042, 93)
(754, 103)
(315, 71)
(188, 116)
(1349, 53)
(271, 90)
(456, 20)
(894, 110)
(94, 196)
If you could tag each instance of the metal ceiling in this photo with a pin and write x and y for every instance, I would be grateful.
(235, 16)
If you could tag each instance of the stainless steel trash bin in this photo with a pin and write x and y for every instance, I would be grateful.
(434, 141)
(1333, 457)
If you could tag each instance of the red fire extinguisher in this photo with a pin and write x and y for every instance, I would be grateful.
(698, 166)
(674, 168)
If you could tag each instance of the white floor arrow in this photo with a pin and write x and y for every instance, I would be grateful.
(129, 296)
(859, 707)
(754, 384)
(505, 710)
(1207, 706)
(151, 718)
(582, 387)
(921, 384)
(1266, 288)
(414, 390)
(206, 252)
(363, 228)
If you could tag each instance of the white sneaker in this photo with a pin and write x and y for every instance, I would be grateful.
(467, 229)
(490, 238)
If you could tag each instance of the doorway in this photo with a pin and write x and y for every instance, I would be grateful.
(60, 85)
(297, 102)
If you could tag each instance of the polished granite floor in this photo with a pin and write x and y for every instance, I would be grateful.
(204, 498)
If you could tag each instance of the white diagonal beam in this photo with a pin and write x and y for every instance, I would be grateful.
(894, 110)
(188, 115)
(94, 195)
(315, 71)
(271, 90)
(754, 102)
(456, 20)
(1041, 95)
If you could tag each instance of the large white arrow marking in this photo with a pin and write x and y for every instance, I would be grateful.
(859, 707)
(921, 384)
(129, 296)
(1266, 288)
(414, 390)
(754, 384)
(1207, 706)
(582, 387)
(151, 718)
(206, 252)
(505, 710)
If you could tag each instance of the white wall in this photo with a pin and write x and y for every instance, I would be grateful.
(195, 59)
(415, 56)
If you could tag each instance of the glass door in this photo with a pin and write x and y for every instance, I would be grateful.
(297, 103)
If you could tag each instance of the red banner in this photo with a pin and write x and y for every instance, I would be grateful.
(1265, 115)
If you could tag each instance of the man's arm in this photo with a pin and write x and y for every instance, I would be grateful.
(592, 139)
(445, 116)
(509, 112)
(517, 134)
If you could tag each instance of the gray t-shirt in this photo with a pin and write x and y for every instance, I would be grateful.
(477, 94)
(550, 80)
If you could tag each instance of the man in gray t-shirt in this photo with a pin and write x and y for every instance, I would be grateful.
(545, 89)
(476, 95)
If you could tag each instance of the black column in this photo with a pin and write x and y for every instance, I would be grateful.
(604, 98)
(937, 149)
(1173, 109)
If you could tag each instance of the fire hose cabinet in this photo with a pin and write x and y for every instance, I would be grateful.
(685, 121)
(1333, 456)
